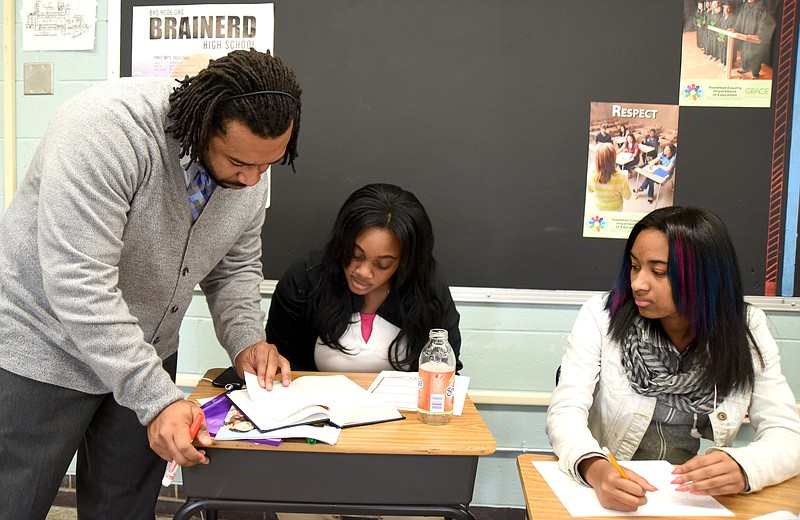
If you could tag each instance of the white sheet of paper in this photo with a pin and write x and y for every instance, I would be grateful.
(399, 389)
(581, 500)
(280, 402)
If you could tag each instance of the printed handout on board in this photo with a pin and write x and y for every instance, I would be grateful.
(179, 40)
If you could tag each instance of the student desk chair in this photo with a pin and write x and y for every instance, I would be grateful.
(659, 180)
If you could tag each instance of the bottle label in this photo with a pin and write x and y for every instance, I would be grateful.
(436, 385)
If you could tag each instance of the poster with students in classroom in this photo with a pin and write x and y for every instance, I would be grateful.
(632, 160)
(727, 53)
(179, 40)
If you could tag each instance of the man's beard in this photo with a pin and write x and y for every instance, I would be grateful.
(219, 182)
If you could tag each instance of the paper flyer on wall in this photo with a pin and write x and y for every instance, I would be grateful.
(63, 25)
(726, 56)
(179, 40)
(631, 165)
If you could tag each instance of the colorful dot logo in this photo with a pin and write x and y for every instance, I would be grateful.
(693, 92)
(597, 223)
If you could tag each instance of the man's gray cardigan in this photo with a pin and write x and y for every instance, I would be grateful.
(99, 258)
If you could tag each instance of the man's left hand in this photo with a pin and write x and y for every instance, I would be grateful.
(263, 359)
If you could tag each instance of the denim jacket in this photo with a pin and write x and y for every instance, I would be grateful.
(594, 405)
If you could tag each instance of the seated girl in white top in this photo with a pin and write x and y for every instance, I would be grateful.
(372, 300)
(671, 355)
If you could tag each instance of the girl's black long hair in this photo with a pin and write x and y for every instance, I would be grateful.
(706, 287)
(389, 207)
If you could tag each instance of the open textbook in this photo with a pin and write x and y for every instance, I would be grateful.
(311, 400)
(237, 427)
(226, 422)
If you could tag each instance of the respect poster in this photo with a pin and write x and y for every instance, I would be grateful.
(179, 40)
(625, 177)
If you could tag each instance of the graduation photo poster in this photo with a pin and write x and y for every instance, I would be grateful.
(631, 165)
(179, 40)
(726, 55)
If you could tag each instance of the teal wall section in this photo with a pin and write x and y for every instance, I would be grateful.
(73, 71)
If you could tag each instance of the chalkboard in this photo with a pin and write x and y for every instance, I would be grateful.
(481, 109)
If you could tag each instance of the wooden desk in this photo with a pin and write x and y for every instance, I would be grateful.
(646, 148)
(624, 158)
(542, 503)
(402, 467)
(648, 171)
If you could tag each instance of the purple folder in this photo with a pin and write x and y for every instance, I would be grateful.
(216, 409)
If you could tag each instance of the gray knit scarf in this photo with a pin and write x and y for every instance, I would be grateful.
(661, 371)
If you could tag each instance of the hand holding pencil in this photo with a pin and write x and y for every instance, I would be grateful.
(614, 462)
(616, 487)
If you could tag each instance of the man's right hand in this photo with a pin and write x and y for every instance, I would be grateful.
(169, 434)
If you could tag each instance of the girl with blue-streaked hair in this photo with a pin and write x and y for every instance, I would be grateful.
(672, 355)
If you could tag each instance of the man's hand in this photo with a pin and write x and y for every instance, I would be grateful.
(169, 434)
(263, 359)
(613, 491)
(713, 474)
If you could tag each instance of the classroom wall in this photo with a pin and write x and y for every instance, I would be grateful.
(510, 350)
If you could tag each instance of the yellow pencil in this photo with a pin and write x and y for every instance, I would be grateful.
(615, 463)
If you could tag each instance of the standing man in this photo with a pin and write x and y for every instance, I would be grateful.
(651, 139)
(700, 25)
(727, 22)
(756, 23)
(140, 189)
(714, 38)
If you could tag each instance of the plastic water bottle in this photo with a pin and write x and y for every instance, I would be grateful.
(437, 377)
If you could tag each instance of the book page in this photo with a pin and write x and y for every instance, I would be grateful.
(336, 398)
(282, 402)
(580, 500)
(349, 403)
(261, 415)
(336, 392)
